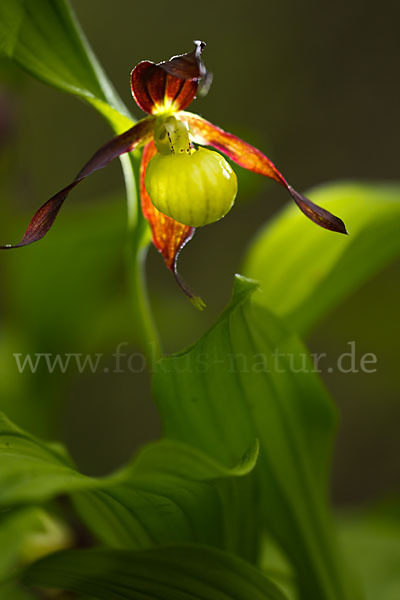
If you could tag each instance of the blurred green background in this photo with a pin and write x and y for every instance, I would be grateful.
(313, 84)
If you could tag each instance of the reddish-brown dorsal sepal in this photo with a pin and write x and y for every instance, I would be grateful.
(171, 84)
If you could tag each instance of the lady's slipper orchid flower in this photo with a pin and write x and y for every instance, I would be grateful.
(181, 186)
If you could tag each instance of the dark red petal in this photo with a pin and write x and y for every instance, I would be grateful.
(169, 85)
(169, 236)
(44, 218)
(318, 215)
(247, 156)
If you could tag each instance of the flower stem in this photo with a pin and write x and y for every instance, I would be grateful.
(145, 329)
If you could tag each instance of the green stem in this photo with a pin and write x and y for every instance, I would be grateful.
(105, 99)
(113, 109)
(145, 329)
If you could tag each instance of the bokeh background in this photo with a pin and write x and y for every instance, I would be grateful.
(314, 84)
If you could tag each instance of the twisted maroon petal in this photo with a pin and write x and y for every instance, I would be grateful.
(44, 218)
(316, 213)
(250, 158)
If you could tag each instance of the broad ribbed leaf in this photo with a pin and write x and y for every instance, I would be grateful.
(250, 377)
(170, 493)
(43, 37)
(171, 573)
(32, 471)
(304, 272)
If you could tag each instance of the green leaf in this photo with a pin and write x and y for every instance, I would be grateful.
(305, 271)
(44, 38)
(170, 493)
(13, 590)
(80, 279)
(251, 377)
(85, 294)
(171, 573)
(32, 471)
(372, 544)
(27, 534)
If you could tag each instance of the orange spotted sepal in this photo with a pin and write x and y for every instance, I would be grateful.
(169, 236)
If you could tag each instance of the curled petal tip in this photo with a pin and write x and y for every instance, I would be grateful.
(318, 215)
(199, 46)
(198, 302)
(195, 300)
(186, 66)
